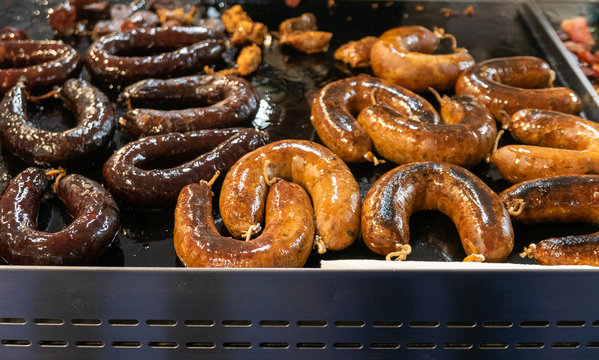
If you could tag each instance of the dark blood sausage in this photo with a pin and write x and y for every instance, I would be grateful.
(183, 49)
(563, 199)
(335, 106)
(404, 56)
(466, 137)
(83, 143)
(212, 101)
(285, 242)
(134, 175)
(557, 144)
(10, 33)
(515, 83)
(40, 63)
(95, 221)
(334, 191)
(478, 213)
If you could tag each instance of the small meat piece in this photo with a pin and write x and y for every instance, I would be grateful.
(179, 15)
(10, 33)
(419, 8)
(233, 17)
(578, 30)
(120, 12)
(447, 12)
(167, 4)
(249, 32)
(469, 11)
(249, 59)
(305, 22)
(63, 18)
(301, 33)
(356, 53)
(292, 3)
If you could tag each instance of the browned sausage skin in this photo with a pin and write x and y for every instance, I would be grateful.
(194, 46)
(40, 63)
(480, 218)
(557, 144)
(515, 83)
(130, 177)
(95, 221)
(404, 56)
(561, 199)
(285, 242)
(466, 137)
(334, 191)
(334, 107)
(213, 102)
(82, 143)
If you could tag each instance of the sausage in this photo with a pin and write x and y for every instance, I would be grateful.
(285, 242)
(558, 144)
(301, 33)
(107, 59)
(213, 101)
(515, 83)
(563, 199)
(334, 191)
(41, 64)
(9, 33)
(404, 56)
(479, 215)
(466, 137)
(76, 146)
(142, 174)
(335, 104)
(95, 221)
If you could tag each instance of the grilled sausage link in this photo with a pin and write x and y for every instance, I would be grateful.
(558, 144)
(465, 138)
(563, 199)
(95, 221)
(334, 107)
(480, 218)
(129, 172)
(334, 191)
(285, 242)
(187, 49)
(515, 83)
(80, 144)
(404, 56)
(41, 64)
(214, 102)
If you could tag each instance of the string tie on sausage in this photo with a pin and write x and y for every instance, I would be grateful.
(551, 78)
(474, 258)
(515, 207)
(253, 229)
(495, 145)
(529, 251)
(50, 94)
(58, 174)
(211, 181)
(369, 156)
(268, 181)
(441, 99)
(399, 255)
(319, 245)
(505, 120)
(440, 34)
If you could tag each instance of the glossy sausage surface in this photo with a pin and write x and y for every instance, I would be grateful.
(404, 56)
(211, 101)
(83, 143)
(334, 191)
(562, 199)
(95, 221)
(183, 49)
(478, 213)
(516, 83)
(134, 174)
(285, 242)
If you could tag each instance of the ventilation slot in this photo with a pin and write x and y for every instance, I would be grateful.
(309, 345)
(493, 346)
(529, 345)
(593, 345)
(86, 322)
(237, 345)
(199, 323)
(200, 345)
(274, 323)
(123, 322)
(461, 324)
(236, 323)
(457, 346)
(274, 345)
(571, 323)
(386, 324)
(349, 323)
(312, 323)
(12, 321)
(565, 345)
(424, 324)
(498, 324)
(52, 343)
(16, 342)
(89, 344)
(163, 344)
(526, 324)
(161, 322)
(48, 321)
(384, 346)
(347, 345)
(126, 344)
(421, 346)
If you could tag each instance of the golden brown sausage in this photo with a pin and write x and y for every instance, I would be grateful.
(466, 137)
(334, 107)
(480, 218)
(558, 144)
(515, 83)
(563, 199)
(285, 242)
(334, 191)
(404, 56)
